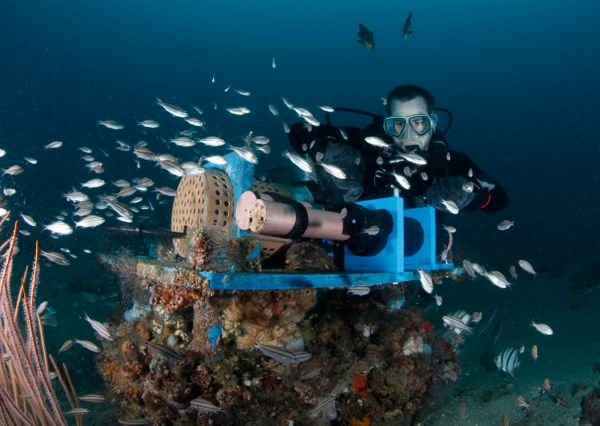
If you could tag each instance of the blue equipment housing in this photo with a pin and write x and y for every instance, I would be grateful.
(397, 262)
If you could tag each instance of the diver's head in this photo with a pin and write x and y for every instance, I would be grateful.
(410, 120)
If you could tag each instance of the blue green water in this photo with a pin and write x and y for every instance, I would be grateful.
(520, 79)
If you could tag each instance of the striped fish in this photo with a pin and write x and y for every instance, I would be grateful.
(92, 397)
(77, 412)
(282, 355)
(134, 422)
(99, 328)
(166, 352)
(468, 267)
(66, 346)
(454, 322)
(88, 345)
(508, 361)
(204, 406)
(325, 408)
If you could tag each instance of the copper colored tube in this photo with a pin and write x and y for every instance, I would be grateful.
(261, 214)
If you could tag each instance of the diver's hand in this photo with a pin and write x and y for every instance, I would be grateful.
(449, 189)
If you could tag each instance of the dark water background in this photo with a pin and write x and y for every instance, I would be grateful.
(520, 77)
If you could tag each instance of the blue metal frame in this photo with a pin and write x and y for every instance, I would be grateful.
(388, 266)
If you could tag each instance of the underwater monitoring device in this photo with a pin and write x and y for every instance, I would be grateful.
(383, 242)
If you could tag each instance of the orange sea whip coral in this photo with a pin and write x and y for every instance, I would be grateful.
(23, 359)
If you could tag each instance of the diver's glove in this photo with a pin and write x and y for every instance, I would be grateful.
(453, 188)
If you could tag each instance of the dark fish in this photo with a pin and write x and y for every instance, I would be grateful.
(365, 37)
(407, 26)
(283, 355)
(204, 406)
(134, 422)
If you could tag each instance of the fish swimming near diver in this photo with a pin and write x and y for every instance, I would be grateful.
(508, 361)
(365, 37)
(407, 26)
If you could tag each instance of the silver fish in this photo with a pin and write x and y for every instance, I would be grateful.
(505, 225)
(77, 412)
(42, 307)
(111, 124)
(172, 167)
(198, 110)
(99, 328)
(311, 120)
(92, 397)
(243, 92)
(238, 111)
(426, 281)
(212, 141)
(172, 109)
(260, 140)
(513, 271)
(54, 145)
(273, 110)
(299, 162)
(401, 180)
(542, 328)
(287, 103)
(149, 124)
(165, 190)
(85, 149)
(59, 227)
(273, 63)
(183, 141)
(30, 160)
(359, 290)
(196, 122)
(371, 230)
(119, 208)
(526, 266)
(327, 108)
(454, 322)
(215, 159)
(126, 191)
(377, 142)
(13, 170)
(497, 279)
(450, 206)
(333, 171)
(88, 345)
(93, 183)
(413, 158)
(28, 220)
(468, 267)
(245, 154)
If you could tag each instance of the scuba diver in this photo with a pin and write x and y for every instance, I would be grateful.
(379, 161)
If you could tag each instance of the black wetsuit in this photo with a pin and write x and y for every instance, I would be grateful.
(490, 196)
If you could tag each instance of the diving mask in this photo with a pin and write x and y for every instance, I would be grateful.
(419, 124)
